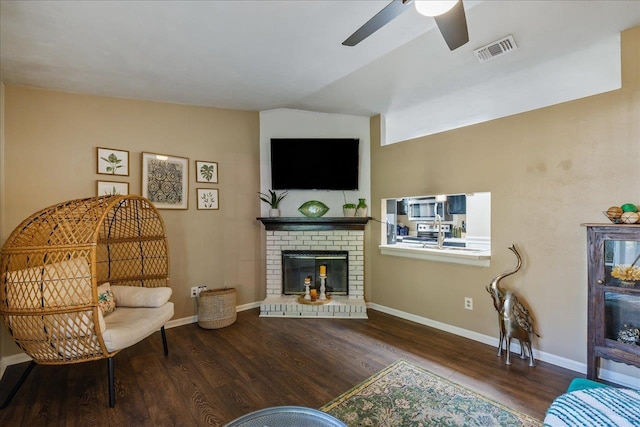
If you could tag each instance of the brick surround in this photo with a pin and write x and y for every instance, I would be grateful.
(316, 238)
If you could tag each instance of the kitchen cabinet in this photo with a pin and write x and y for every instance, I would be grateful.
(457, 204)
(614, 295)
(401, 206)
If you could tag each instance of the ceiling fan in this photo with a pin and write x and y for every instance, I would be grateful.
(449, 16)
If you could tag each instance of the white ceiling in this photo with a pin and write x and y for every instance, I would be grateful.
(262, 55)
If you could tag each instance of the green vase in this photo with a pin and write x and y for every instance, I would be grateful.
(361, 209)
(313, 209)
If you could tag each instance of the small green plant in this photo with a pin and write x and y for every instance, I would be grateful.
(272, 199)
(347, 205)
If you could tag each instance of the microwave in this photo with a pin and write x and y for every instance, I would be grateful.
(424, 209)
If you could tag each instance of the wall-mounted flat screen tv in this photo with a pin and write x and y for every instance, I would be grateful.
(314, 163)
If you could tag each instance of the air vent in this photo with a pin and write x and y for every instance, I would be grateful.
(497, 48)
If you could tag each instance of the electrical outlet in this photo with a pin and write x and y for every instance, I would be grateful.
(195, 291)
(468, 303)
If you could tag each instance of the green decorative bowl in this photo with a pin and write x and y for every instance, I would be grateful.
(313, 209)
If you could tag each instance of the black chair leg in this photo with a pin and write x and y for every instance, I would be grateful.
(112, 391)
(164, 341)
(16, 387)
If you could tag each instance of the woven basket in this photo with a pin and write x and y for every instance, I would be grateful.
(217, 308)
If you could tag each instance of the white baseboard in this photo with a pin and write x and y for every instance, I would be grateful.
(579, 367)
(249, 306)
(14, 359)
(174, 323)
(617, 378)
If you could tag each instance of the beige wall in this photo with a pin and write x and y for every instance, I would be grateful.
(50, 156)
(548, 171)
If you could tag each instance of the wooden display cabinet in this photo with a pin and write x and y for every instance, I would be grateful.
(614, 304)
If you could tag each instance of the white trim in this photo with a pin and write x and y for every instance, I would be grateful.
(579, 367)
(435, 324)
(249, 306)
(622, 379)
(14, 359)
(180, 322)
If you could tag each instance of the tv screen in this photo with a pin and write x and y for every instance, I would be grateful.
(314, 163)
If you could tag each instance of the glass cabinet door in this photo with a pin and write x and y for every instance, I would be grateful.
(622, 291)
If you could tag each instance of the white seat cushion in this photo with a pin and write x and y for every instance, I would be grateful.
(127, 326)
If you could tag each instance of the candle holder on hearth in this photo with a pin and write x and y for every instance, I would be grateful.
(307, 284)
(311, 296)
(323, 287)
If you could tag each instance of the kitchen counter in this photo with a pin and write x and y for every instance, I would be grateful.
(450, 254)
(450, 241)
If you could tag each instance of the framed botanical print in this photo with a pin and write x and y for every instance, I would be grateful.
(206, 172)
(208, 198)
(113, 162)
(165, 180)
(110, 188)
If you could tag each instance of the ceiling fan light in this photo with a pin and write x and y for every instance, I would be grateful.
(434, 7)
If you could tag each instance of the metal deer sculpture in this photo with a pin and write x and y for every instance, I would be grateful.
(514, 320)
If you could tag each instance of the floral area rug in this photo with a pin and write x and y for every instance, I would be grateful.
(406, 395)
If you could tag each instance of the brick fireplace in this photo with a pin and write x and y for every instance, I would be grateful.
(315, 235)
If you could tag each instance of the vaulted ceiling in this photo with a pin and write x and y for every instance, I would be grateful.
(261, 55)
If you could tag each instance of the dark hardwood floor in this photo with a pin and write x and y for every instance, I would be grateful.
(214, 376)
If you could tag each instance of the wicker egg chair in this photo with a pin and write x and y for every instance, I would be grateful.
(52, 265)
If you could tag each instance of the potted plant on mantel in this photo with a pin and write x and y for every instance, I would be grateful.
(273, 200)
(348, 209)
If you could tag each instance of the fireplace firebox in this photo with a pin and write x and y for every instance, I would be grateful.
(297, 265)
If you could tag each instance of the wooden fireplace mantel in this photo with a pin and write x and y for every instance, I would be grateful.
(306, 224)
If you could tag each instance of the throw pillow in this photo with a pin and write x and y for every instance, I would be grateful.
(106, 301)
(133, 296)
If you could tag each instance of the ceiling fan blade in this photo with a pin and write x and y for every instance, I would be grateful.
(453, 26)
(386, 15)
